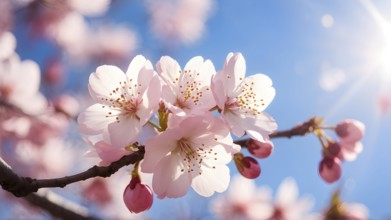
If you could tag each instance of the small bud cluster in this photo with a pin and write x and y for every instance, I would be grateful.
(346, 148)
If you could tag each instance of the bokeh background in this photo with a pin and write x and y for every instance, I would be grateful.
(329, 58)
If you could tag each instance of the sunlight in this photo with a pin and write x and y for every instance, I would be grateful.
(383, 58)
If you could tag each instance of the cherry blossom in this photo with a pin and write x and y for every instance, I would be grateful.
(243, 100)
(187, 90)
(125, 102)
(179, 21)
(195, 153)
(243, 201)
(350, 130)
(19, 84)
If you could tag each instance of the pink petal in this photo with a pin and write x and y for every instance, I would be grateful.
(211, 180)
(125, 132)
(168, 180)
(93, 120)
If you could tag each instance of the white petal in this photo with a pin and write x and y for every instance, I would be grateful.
(169, 70)
(211, 180)
(263, 89)
(168, 180)
(104, 81)
(93, 120)
(135, 66)
(234, 71)
(287, 193)
(125, 132)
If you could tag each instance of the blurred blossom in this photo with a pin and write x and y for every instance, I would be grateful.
(344, 211)
(350, 132)
(244, 201)
(97, 190)
(179, 20)
(111, 43)
(6, 16)
(7, 45)
(384, 104)
(54, 72)
(66, 104)
(71, 32)
(89, 7)
(19, 84)
(327, 21)
(331, 78)
(52, 159)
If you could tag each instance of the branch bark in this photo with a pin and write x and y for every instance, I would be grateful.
(23, 186)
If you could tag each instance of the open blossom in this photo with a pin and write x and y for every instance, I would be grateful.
(187, 90)
(350, 132)
(126, 101)
(195, 153)
(242, 100)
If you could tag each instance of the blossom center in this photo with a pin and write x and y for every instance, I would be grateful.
(190, 89)
(192, 156)
(124, 98)
(247, 101)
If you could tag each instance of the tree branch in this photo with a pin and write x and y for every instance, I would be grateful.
(23, 186)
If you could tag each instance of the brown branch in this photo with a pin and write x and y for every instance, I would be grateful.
(23, 186)
(299, 130)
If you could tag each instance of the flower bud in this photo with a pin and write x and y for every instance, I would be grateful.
(334, 149)
(138, 197)
(247, 166)
(350, 130)
(260, 149)
(330, 169)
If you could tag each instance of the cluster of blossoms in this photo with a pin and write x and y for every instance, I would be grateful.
(30, 125)
(171, 112)
(244, 200)
(350, 132)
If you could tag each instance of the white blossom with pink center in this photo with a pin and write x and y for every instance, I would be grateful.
(243, 201)
(243, 100)
(288, 205)
(19, 84)
(187, 90)
(195, 153)
(126, 101)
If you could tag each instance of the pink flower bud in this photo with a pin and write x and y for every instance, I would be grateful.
(260, 149)
(334, 149)
(247, 166)
(330, 169)
(350, 130)
(138, 197)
